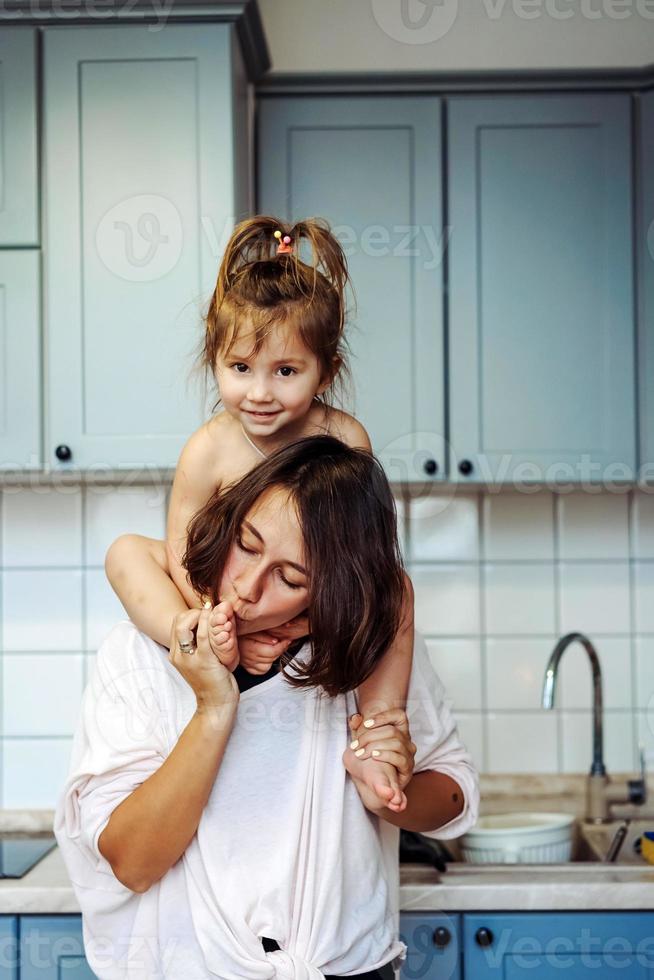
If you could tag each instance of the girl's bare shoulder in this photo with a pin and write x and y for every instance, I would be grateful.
(229, 449)
(345, 427)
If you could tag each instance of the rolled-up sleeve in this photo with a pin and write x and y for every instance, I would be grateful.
(438, 745)
(119, 742)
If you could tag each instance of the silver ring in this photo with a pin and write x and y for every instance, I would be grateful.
(187, 647)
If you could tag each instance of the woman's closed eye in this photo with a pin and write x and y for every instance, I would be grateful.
(251, 551)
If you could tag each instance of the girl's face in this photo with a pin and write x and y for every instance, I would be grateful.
(272, 389)
(265, 574)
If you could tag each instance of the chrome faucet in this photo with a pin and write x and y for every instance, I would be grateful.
(600, 793)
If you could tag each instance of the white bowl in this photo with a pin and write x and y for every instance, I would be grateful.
(519, 838)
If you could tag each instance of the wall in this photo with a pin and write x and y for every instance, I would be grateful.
(457, 35)
(498, 577)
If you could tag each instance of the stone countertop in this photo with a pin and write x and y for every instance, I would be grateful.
(46, 888)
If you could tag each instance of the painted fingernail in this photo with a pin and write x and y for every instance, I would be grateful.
(354, 744)
(375, 752)
(360, 752)
(369, 723)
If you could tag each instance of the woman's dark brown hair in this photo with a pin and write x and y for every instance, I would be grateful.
(355, 573)
(258, 289)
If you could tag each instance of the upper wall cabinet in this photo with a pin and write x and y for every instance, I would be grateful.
(146, 171)
(20, 360)
(372, 167)
(646, 272)
(19, 222)
(541, 307)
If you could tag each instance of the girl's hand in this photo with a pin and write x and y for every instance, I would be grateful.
(259, 650)
(213, 684)
(390, 738)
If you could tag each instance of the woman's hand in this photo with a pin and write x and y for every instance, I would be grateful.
(390, 738)
(213, 684)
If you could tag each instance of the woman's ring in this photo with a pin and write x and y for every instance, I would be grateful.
(186, 647)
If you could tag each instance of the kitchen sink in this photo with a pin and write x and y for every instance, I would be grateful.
(590, 845)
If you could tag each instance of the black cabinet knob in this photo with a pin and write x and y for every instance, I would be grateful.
(430, 466)
(63, 453)
(442, 937)
(465, 467)
(484, 937)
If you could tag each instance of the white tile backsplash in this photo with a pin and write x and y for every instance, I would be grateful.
(519, 598)
(446, 598)
(135, 510)
(447, 533)
(42, 527)
(42, 610)
(498, 578)
(595, 597)
(593, 525)
(518, 526)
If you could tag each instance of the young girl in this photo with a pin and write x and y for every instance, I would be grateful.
(274, 343)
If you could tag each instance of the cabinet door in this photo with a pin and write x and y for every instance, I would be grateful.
(9, 945)
(52, 946)
(18, 166)
(541, 334)
(372, 167)
(646, 274)
(20, 360)
(545, 945)
(434, 946)
(140, 190)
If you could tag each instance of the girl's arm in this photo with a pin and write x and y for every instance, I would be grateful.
(146, 574)
(388, 686)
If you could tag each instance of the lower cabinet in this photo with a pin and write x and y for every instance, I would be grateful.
(543, 945)
(434, 946)
(441, 946)
(51, 947)
(521, 945)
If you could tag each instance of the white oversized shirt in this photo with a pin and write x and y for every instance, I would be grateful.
(284, 847)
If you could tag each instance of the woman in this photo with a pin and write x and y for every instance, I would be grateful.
(199, 819)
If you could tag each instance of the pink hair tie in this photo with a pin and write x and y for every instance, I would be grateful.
(284, 245)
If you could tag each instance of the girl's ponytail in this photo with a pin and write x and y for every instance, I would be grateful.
(265, 286)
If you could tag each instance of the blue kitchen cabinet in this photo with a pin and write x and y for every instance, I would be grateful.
(434, 946)
(8, 947)
(541, 305)
(147, 167)
(548, 945)
(372, 167)
(19, 218)
(20, 358)
(645, 237)
(51, 947)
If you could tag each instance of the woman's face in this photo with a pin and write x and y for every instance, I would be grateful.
(265, 575)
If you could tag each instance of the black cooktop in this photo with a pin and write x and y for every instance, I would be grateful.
(20, 852)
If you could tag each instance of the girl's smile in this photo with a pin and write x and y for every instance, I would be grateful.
(271, 389)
